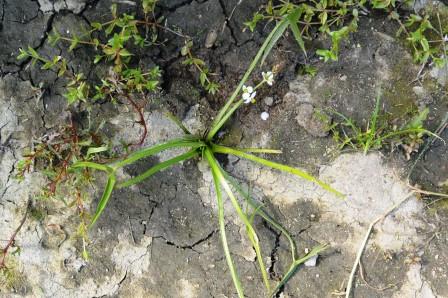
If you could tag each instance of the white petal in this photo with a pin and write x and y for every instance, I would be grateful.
(250, 89)
(253, 94)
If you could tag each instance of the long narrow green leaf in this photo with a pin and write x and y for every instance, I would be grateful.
(222, 229)
(230, 113)
(215, 127)
(93, 165)
(256, 244)
(372, 129)
(252, 235)
(278, 32)
(105, 198)
(158, 167)
(293, 17)
(274, 165)
(295, 261)
(94, 150)
(146, 152)
(262, 213)
(260, 150)
(408, 131)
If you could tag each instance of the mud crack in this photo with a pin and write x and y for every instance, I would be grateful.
(227, 20)
(189, 246)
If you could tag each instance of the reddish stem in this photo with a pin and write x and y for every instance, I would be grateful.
(141, 121)
(13, 237)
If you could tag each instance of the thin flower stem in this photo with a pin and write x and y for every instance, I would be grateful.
(217, 124)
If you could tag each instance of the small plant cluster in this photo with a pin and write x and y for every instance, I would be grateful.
(377, 133)
(199, 64)
(53, 155)
(427, 41)
(123, 82)
(426, 34)
(205, 146)
(121, 33)
(68, 157)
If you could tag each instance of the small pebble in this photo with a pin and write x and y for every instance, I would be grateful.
(264, 116)
(269, 101)
(311, 262)
(210, 40)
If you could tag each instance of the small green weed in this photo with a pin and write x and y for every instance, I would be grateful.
(199, 64)
(428, 42)
(335, 20)
(10, 276)
(377, 134)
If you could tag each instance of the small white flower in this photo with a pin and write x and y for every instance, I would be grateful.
(248, 89)
(445, 38)
(264, 116)
(248, 94)
(268, 77)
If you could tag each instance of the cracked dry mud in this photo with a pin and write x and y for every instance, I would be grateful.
(159, 238)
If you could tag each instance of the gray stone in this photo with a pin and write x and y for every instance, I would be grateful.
(268, 100)
(317, 123)
(440, 74)
(210, 39)
(76, 6)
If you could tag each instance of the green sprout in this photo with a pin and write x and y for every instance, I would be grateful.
(210, 86)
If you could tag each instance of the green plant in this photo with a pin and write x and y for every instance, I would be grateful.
(329, 17)
(204, 72)
(122, 33)
(337, 19)
(205, 146)
(123, 82)
(427, 42)
(52, 156)
(376, 134)
(199, 64)
(11, 277)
